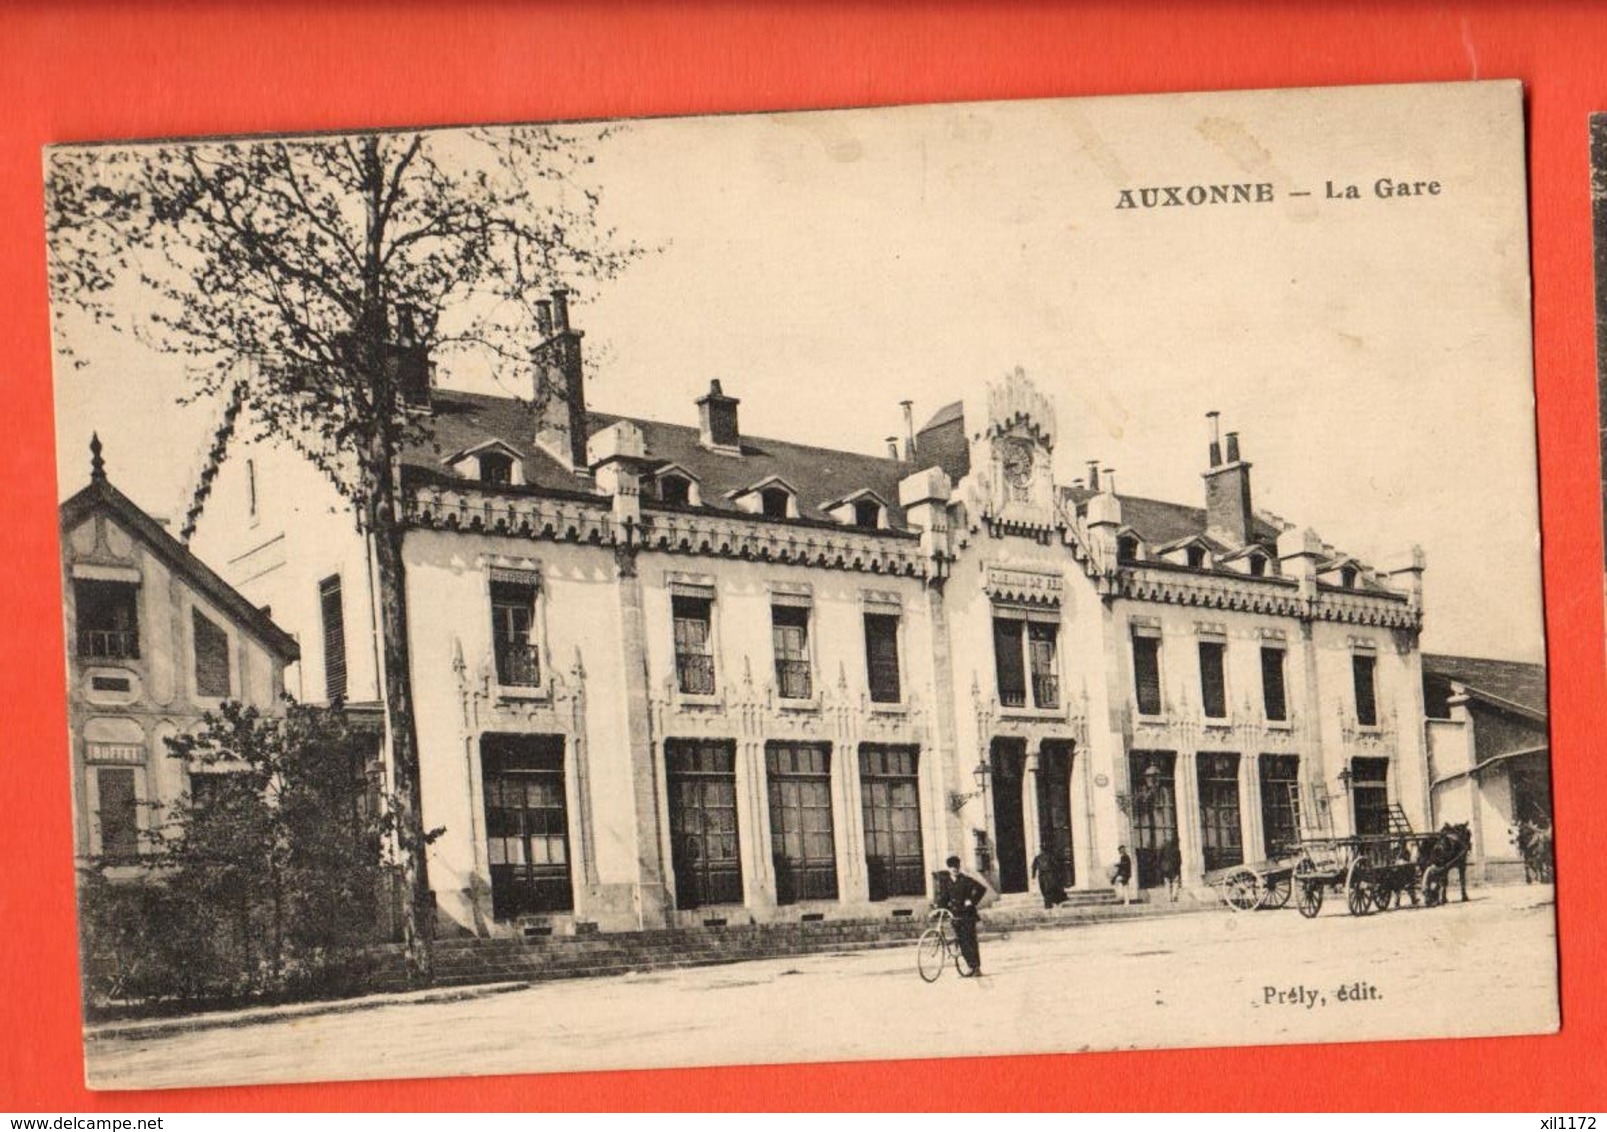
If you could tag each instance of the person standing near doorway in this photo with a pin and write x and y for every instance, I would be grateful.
(1121, 874)
(1046, 868)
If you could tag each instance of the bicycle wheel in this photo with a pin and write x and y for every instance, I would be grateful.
(965, 969)
(930, 954)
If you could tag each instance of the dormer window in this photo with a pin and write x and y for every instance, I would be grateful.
(493, 462)
(867, 514)
(1258, 566)
(1127, 548)
(496, 468)
(1196, 557)
(772, 497)
(775, 502)
(1347, 577)
(675, 490)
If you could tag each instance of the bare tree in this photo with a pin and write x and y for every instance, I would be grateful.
(288, 270)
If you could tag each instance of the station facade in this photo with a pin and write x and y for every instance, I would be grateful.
(674, 674)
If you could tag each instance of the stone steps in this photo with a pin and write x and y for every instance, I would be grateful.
(468, 961)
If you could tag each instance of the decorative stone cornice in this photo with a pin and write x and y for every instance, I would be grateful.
(1275, 596)
(723, 536)
(523, 516)
(1386, 612)
(717, 536)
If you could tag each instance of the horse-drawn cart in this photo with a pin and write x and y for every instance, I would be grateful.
(1373, 871)
(1261, 884)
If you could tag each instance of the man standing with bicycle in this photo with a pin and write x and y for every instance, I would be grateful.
(965, 893)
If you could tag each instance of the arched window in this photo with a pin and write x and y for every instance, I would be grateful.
(1347, 577)
(1127, 549)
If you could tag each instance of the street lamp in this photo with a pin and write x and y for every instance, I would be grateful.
(980, 774)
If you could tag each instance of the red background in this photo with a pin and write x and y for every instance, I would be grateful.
(93, 71)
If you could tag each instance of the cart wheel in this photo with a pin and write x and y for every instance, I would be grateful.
(1277, 892)
(930, 954)
(1310, 898)
(1242, 890)
(1381, 895)
(1359, 887)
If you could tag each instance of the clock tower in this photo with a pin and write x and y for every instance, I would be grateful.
(1013, 455)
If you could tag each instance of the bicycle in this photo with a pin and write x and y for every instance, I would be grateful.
(937, 945)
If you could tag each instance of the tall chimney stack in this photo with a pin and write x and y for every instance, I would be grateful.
(909, 430)
(1215, 419)
(1228, 515)
(717, 421)
(560, 390)
(1093, 475)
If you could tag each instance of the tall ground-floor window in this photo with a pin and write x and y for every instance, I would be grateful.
(1280, 803)
(1154, 810)
(1223, 843)
(118, 813)
(1369, 793)
(526, 824)
(890, 791)
(801, 843)
(702, 782)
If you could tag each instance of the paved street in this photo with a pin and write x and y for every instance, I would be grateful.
(1487, 967)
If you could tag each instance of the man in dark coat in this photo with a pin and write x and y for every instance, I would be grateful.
(1046, 868)
(964, 894)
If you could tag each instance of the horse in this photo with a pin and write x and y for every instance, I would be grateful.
(1534, 846)
(1439, 855)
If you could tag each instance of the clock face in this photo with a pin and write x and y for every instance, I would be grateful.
(1017, 459)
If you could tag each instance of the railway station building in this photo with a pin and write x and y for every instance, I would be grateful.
(668, 673)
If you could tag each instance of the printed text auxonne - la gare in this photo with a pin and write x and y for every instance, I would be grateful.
(1262, 192)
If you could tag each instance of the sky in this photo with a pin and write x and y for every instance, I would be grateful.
(1373, 354)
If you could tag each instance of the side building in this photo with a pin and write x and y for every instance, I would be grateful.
(1489, 754)
(678, 674)
(154, 639)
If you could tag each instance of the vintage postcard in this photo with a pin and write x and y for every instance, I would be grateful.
(930, 581)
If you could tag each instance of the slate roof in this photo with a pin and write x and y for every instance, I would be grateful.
(462, 421)
(1503, 682)
(1159, 523)
(820, 475)
(101, 495)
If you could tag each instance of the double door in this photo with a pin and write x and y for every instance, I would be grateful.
(1041, 801)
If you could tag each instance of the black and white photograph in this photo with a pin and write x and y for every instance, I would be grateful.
(916, 582)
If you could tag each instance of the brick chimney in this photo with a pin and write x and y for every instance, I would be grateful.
(560, 384)
(409, 360)
(1228, 515)
(717, 421)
